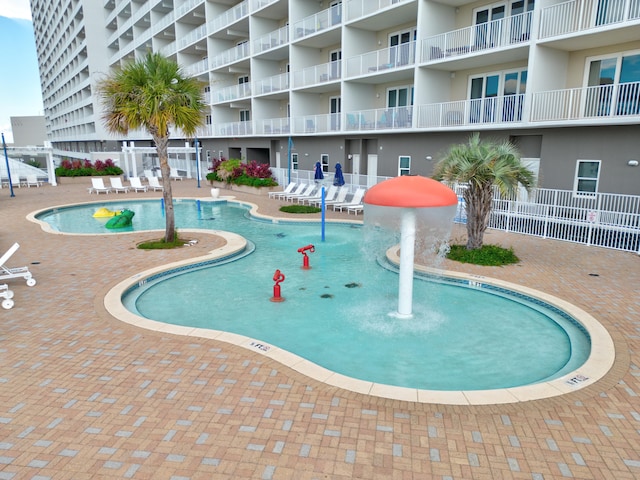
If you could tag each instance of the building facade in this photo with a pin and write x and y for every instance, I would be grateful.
(383, 87)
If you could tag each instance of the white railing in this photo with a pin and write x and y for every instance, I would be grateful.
(579, 15)
(193, 37)
(232, 92)
(317, 74)
(227, 18)
(617, 100)
(492, 110)
(360, 8)
(233, 129)
(382, 60)
(508, 31)
(258, 4)
(601, 219)
(197, 68)
(232, 55)
(318, 22)
(271, 40)
(272, 126)
(379, 119)
(186, 7)
(271, 84)
(326, 122)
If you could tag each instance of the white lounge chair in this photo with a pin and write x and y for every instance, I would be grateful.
(329, 195)
(308, 193)
(341, 196)
(116, 184)
(297, 191)
(155, 184)
(32, 181)
(288, 189)
(355, 209)
(97, 185)
(174, 175)
(305, 193)
(148, 174)
(15, 182)
(20, 272)
(355, 200)
(7, 294)
(136, 184)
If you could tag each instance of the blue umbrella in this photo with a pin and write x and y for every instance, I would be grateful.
(318, 174)
(338, 179)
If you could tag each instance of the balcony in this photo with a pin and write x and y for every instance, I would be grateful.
(583, 15)
(232, 55)
(472, 113)
(271, 40)
(316, 23)
(231, 93)
(233, 129)
(382, 61)
(258, 4)
(359, 8)
(321, 123)
(197, 68)
(497, 34)
(273, 84)
(273, 126)
(380, 119)
(618, 102)
(326, 72)
(229, 17)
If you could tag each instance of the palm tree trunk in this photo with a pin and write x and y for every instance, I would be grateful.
(478, 205)
(162, 145)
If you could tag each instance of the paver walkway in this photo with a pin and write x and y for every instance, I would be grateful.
(84, 396)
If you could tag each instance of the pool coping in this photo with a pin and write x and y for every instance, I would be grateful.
(598, 364)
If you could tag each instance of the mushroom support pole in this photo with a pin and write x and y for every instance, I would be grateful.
(407, 247)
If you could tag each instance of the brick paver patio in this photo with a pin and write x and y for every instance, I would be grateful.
(85, 396)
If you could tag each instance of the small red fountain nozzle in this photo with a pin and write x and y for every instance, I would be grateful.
(305, 257)
(277, 277)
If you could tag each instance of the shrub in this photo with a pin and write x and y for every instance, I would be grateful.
(84, 168)
(234, 171)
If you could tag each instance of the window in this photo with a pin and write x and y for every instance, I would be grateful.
(208, 119)
(497, 96)
(404, 166)
(324, 161)
(587, 175)
(614, 85)
(399, 102)
(401, 47)
(294, 161)
(245, 115)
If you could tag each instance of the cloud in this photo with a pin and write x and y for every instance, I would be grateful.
(15, 9)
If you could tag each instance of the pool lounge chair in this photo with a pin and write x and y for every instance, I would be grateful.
(329, 195)
(305, 193)
(97, 185)
(116, 184)
(297, 191)
(355, 200)
(32, 181)
(341, 197)
(355, 209)
(148, 174)
(174, 175)
(19, 272)
(155, 184)
(7, 294)
(288, 189)
(136, 184)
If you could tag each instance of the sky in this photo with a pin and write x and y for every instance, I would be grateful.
(20, 93)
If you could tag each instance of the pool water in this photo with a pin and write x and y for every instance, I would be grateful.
(337, 314)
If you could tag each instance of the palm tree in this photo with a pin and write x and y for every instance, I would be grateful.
(153, 94)
(483, 165)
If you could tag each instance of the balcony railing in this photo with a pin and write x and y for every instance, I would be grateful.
(360, 8)
(318, 22)
(380, 61)
(233, 92)
(258, 4)
(271, 40)
(233, 129)
(617, 100)
(327, 122)
(579, 15)
(272, 84)
(380, 119)
(496, 34)
(464, 113)
(193, 37)
(273, 126)
(232, 55)
(197, 68)
(229, 17)
(317, 74)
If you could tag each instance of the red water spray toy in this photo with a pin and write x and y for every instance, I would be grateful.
(277, 277)
(305, 257)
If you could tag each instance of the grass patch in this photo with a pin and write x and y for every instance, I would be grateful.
(299, 209)
(488, 255)
(160, 244)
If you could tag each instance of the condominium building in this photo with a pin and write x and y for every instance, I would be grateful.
(383, 87)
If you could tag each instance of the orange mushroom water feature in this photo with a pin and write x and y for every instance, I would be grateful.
(420, 208)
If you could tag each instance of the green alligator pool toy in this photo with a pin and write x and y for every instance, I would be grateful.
(120, 221)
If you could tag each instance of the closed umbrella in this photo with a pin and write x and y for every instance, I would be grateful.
(338, 179)
(318, 173)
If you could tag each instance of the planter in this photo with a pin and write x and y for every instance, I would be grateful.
(244, 188)
(84, 180)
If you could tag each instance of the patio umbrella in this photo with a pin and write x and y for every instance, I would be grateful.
(338, 179)
(318, 172)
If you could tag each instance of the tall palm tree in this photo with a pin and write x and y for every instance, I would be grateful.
(483, 165)
(153, 94)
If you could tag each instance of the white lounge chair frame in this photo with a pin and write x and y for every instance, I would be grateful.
(341, 196)
(288, 189)
(136, 184)
(97, 185)
(309, 193)
(116, 184)
(32, 181)
(174, 175)
(155, 184)
(306, 192)
(20, 272)
(297, 191)
(7, 294)
(329, 195)
(355, 200)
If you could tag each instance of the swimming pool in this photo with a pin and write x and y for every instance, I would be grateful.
(337, 313)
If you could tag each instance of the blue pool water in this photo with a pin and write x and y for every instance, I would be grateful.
(336, 314)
